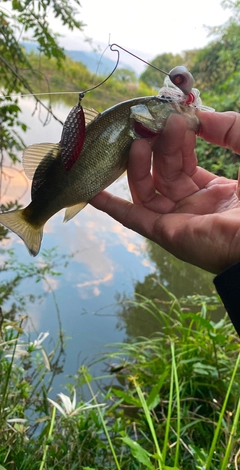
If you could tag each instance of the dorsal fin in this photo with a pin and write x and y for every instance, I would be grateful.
(46, 168)
(34, 154)
(90, 115)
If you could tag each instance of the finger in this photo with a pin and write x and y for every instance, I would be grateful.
(175, 160)
(203, 178)
(133, 216)
(219, 196)
(140, 179)
(175, 233)
(139, 172)
(221, 129)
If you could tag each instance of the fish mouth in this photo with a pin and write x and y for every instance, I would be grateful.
(142, 131)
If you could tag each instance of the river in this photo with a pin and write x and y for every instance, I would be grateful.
(108, 264)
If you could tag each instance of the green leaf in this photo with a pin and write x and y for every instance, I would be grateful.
(138, 452)
(219, 324)
(129, 399)
(154, 397)
(205, 369)
(170, 468)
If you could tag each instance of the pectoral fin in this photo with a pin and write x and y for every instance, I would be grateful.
(73, 210)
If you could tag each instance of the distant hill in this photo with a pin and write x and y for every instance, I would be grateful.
(94, 61)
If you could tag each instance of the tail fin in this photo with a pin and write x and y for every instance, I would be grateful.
(32, 236)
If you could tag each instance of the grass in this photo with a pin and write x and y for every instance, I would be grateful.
(173, 401)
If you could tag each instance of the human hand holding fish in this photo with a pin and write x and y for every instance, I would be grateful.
(187, 210)
(94, 149)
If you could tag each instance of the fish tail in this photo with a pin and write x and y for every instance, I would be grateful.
(17, 222)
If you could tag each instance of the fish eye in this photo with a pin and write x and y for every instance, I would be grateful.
(182, 78)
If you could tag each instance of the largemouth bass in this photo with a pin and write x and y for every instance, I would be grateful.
(69, 174)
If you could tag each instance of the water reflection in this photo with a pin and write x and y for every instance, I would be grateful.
(109, 264)
(178, 278)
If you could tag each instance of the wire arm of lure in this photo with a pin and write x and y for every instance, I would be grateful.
(179, 75)
(136, 57)
(113, 47)
(82, 93)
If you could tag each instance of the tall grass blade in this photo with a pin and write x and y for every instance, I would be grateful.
(168, 422)
(178, 405)
(102, 421)
(150, 423)
(49, 439)
(219, 424)
(225, 462)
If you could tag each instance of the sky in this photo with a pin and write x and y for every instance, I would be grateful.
(148, 28)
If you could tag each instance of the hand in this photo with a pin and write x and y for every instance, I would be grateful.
(187, 210)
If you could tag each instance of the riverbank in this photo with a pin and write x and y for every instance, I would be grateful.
(172, 400)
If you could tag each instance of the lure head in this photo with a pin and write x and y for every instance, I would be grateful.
(178, 89)
(182, 78)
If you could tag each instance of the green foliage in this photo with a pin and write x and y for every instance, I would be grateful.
(164, 62)
(220, 59)
(10, 141)
(220, 161)
(33, 16)
(174, 402)
(26, 16)
(125, 75)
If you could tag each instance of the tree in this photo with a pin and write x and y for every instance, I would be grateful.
(125, 75)
(220, 60)
(31, 17)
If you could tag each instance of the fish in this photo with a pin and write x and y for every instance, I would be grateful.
(91, 155)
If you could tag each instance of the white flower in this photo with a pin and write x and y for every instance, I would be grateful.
(36, 344)
(18, 352)
(69, 407)
(45, 360)
(17, 420)
(18, 426)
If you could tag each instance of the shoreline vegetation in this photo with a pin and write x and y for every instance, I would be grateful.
(75, 77)
(173, 400)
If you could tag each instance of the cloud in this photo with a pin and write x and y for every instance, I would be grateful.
(133, 242)
(50, 284)
(96, 282)
(14, 185)
(91, 288)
